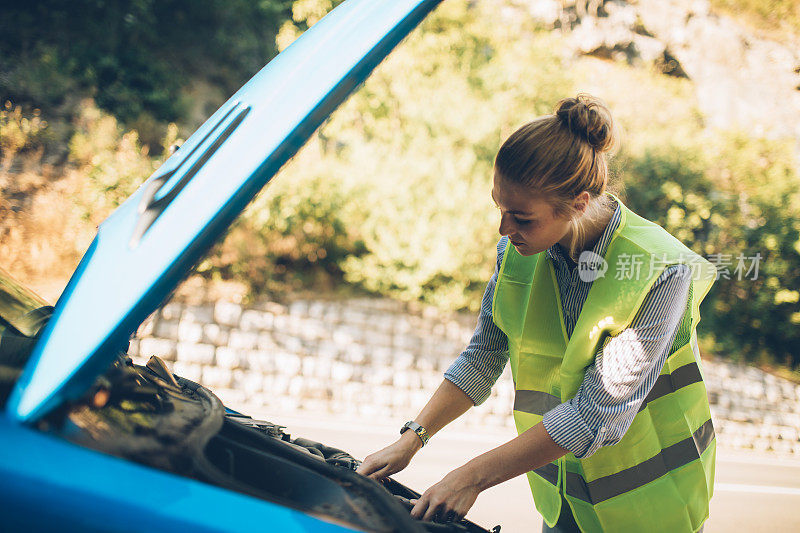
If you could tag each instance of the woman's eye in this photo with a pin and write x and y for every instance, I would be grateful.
(522, 221)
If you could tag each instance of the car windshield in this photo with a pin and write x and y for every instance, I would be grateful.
(22, 316)
(21, 311)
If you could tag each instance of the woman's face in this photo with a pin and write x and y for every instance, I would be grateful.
(527, 218)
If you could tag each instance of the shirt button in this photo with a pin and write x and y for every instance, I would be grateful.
(602, 429)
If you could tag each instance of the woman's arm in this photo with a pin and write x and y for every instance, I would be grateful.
(467, 382)
(447, 403)
(454, 495)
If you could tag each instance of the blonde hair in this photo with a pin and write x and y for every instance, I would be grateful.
(560, 156)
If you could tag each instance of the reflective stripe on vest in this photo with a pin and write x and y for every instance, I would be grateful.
(668, 383)
(535, 402)
(670, 458)
(538, 402)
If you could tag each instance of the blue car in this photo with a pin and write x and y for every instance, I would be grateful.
(90, 441)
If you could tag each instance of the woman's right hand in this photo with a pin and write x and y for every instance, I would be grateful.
(391, 459)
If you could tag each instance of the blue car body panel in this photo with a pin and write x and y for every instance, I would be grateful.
(49, 484)
(149, 244)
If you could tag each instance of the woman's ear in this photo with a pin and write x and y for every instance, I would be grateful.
(581, 202)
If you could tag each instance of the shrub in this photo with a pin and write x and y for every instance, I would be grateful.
(111, 160)
(296, 235)
(19, 132)
(734, 200)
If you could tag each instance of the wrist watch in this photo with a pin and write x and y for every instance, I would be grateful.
(421, 432)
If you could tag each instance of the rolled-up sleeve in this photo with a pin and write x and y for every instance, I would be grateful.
(477, 368)
(624, 371)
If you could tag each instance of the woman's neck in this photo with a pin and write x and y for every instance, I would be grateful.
(593, 229)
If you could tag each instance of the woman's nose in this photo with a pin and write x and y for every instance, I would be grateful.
(505, 225)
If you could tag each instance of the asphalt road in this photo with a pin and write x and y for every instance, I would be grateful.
(752, 493)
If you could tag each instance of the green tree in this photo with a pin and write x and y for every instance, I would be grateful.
(133, 57)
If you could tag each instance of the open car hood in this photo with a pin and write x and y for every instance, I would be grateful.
(149, 244)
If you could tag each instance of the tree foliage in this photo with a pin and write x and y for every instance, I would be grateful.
(735, 200)
(134, 57)
(412, 151)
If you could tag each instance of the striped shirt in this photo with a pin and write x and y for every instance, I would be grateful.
(625, 367)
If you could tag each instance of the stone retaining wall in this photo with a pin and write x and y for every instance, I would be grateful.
(377, 359)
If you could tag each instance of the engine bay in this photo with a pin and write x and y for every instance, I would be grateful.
(148, 415)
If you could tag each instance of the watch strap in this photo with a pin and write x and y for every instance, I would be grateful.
(421, 432)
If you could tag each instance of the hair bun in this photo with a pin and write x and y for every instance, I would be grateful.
(589, 118)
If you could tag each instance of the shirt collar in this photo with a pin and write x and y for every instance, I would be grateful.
(559, 253)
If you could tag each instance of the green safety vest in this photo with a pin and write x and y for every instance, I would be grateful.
(660, 475)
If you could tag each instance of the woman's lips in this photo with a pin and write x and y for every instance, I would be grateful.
(515, 243)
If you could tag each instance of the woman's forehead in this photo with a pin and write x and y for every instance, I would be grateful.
(518, 199)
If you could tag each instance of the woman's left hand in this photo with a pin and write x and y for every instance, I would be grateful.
(450, 499)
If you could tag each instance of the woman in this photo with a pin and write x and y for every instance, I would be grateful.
(614, 426)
